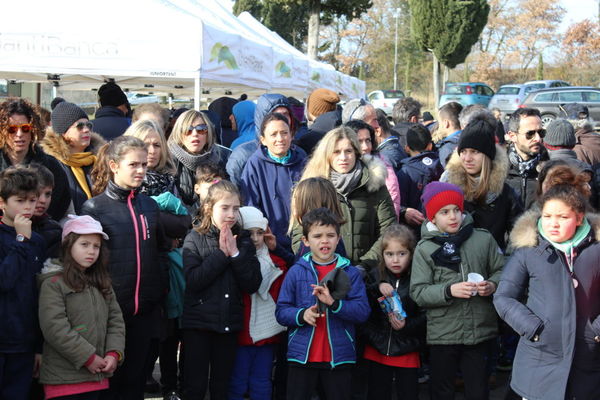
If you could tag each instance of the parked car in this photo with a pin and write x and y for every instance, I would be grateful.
(550, 101)
(385, 99)
(508, 97)
(547, 84)
(467, 93)
(142, 98)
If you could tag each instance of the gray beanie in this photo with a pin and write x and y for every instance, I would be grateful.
(560, 133)
(64, 115)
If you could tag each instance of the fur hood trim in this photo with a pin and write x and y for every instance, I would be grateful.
(377, 172)
(54, 145)
(525, 232)
(456, 174)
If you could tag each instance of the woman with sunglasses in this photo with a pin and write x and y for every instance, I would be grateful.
(20, 130)
(71, 141)
(192, 143)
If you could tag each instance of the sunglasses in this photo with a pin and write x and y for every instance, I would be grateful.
(25, 128)
(201, 129)
(82, 125)
(531, 134)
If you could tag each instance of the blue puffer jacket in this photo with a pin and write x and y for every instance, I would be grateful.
(244, 120)
(20, 262)
(415, 173)
(392, 152)
(267, 185)
(296, 296)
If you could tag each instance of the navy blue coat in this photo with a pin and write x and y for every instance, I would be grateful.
(267, 185)
(20, 262)
(393, 152)
(296, 296)
(110, 122)
(415, 173)
(536, 295)
(447, 145)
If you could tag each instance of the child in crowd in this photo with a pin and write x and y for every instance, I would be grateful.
(206, 176)
(322, 299)
(254, 357)
(455, 270)
(84, 332)
(423, 166)
(22, 253)
(41, 222)
(394, 341)
(220, 265)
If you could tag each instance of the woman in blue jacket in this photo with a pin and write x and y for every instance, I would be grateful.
(270, 174)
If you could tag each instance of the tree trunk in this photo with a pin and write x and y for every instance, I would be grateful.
(313, 28)
(436, 81)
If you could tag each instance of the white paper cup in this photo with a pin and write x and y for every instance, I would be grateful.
(475, 278)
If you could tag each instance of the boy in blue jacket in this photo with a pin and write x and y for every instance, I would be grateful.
(21, 258)
(322, 298)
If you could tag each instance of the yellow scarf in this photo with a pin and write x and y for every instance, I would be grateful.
(76, 161)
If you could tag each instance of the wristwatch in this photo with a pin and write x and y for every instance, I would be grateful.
(20, 238)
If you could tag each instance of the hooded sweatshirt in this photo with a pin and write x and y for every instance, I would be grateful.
(244, 119)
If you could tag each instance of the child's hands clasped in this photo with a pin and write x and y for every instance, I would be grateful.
(396, 323)
(111, 364)
(310, 315)
(322, 293)
(227, 241)
(486, 288)
(97, 365)
(463, 290)
(386, 289)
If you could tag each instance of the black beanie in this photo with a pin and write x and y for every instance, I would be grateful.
(64, 115)
(110, 94)
(478, 135)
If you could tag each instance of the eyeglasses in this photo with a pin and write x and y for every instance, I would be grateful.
(82, 125)
(362, 103)
(531, 134)
(25, 128)
(201, 129)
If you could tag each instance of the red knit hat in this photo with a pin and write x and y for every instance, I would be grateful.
(440, 194)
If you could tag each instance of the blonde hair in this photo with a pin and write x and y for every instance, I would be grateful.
(476, 190)
(215, 193)
(310, 194)
(182, 126)
(319, 164)
(400, 233)
(143, 128)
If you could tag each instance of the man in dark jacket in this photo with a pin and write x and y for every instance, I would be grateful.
(323, 124)
(406, 113)
(587, 146)
(448, 131)
(525, 152)
(111, 118)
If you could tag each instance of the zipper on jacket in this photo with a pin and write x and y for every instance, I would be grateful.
(137, 252)
(145, 230)
(390, 334)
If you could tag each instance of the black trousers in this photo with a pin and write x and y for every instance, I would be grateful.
(445, 360)
(381, 385)
(170, 368)
(303, 381)
(205, 352)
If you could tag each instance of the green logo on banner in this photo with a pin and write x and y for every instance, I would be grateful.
(316, 77)
(283, 70)
(223, 55)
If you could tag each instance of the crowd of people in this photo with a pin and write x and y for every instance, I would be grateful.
(274, 249)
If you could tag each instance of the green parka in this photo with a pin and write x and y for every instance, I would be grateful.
(75, 325)
(368, 210)
(453, 320)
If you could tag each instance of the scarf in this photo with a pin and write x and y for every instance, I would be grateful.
(448, 255)
(281, 160)
(345, 183)
(524, 166)
(190, 161)
(263, 324)
(568, 246)
(76, 161)
(156, 183)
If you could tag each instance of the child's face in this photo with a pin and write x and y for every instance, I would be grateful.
(396, 257)
(153, 144)
(19, 204)
(129, 173)
(226, 211)
(322, 241)
(472, 161)
(258, 237)
(86, 249)
(448, 219)
(560, 221)
(43, 201)
(201, 189)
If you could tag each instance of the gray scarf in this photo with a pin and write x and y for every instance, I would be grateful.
(345, 183)
(191, 161)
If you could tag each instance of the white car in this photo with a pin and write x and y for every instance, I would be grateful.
(385, 99)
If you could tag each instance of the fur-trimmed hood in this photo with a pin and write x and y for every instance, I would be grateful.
(525, 232)
(377, 172)
(456, 174)
(55, 145)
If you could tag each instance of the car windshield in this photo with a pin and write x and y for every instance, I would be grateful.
(455, 89)
(538, 85)
(393, 94)
(508, 90)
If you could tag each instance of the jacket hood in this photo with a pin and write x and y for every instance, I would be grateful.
(418, 159)
(456, 174)
(244, 117)
(265, 104)
(429, 230)
(375, 173)
(326, 122)
(223, 108)
(298, 155)
(52, 267)
(55, 145)
(525, 232)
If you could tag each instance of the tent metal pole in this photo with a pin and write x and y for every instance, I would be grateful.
(197, 92)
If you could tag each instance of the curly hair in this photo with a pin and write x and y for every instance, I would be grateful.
(24, 107)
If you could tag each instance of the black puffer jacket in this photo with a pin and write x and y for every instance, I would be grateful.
(215, 282)
(377, 329)
(136, 243)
